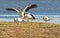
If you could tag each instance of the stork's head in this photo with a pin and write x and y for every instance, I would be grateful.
(19, 9)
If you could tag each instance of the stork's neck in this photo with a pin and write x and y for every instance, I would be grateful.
(21, 14)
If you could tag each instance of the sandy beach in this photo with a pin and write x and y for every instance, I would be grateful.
(29, 30)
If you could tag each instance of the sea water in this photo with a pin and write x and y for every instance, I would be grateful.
(39, 18)
(49, 8)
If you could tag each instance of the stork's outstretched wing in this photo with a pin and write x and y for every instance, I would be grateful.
(29, 7)
(12, 9)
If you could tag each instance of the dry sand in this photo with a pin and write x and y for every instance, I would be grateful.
(29, 30)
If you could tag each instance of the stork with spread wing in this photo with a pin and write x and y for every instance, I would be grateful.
(23, 13)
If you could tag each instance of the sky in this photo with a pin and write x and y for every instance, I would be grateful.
(45, 7)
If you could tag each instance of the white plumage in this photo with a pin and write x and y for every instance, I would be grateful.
(18, 20)
(29, 17)
(45, 18)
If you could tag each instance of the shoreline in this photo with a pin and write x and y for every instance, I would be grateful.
(26, 22)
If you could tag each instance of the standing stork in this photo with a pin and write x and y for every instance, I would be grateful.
(18, 20)
(28, 17)
(23, 13)
(45, 18)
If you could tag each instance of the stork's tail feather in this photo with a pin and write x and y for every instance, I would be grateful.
(33, 16)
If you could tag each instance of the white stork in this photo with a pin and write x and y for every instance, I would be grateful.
(23, 13)
(18, 20)
(45, 18)
(28, 17)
